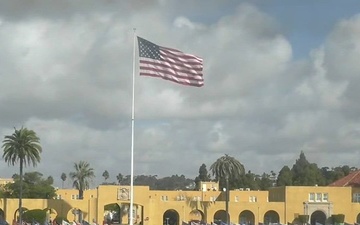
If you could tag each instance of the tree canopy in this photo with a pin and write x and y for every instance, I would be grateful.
(22, 147)
(203, 176)
(106, 175)
(82, 176)
(302, 173)
(34, 187)
(227, 167)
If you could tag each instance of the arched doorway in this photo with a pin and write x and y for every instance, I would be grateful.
(51, 214)
(196, 215)
(112, 213)
(246, 217)
(77, 215)
(220, 217)
(171, 217)
(358, 218)
(2, 214)
(16, 213)
(271, 217)
(318, 217)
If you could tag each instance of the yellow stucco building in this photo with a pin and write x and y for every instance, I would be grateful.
(154, 207)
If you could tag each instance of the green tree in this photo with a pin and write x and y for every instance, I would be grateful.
(318, 178)
(63, 178)
(50, 179)
(299, 168)
(305, 173)
(147, 180)
(249, 180)
(285, 177)
(273, 177)
(203, 176)
(265, 182)
(227, 167)
(335, 173)
(346, 170)
(119, 178)
(82, 176)
(127, 180)
(22, 147)
(34, 187)
(175, 182)
(106, 175)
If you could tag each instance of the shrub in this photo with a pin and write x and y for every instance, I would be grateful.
(338, 218)
(39, 215)
(303, 218)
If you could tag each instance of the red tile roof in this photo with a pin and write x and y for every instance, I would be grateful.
(351, 180)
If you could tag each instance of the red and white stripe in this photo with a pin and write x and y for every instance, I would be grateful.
(175, 66)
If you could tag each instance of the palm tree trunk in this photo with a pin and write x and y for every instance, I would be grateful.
(81, 193)
(20, 194)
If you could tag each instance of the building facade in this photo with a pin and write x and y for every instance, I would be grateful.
(109, 204)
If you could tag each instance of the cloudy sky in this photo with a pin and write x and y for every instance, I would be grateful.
(281, 77)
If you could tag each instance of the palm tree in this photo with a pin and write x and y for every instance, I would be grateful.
(82, 176)
(227, 167)
(106, 175)
(63, 178)
(22, 146)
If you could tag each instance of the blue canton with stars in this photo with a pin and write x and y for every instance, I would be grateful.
(148, 49)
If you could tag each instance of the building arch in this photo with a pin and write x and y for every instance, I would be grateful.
(247, 217)
(123, 208)
(77, 215)
(318, 217)
(220, 216)
(358, 218)
(196, 215)
(113, 213)
(16, 213)
(271, 217)
(171, 217)
(2, 214)
(51, 214)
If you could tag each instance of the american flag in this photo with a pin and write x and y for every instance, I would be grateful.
(170, 64)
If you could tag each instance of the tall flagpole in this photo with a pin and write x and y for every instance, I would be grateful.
(132, 136)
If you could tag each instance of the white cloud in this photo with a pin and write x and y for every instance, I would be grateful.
(66, 73)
